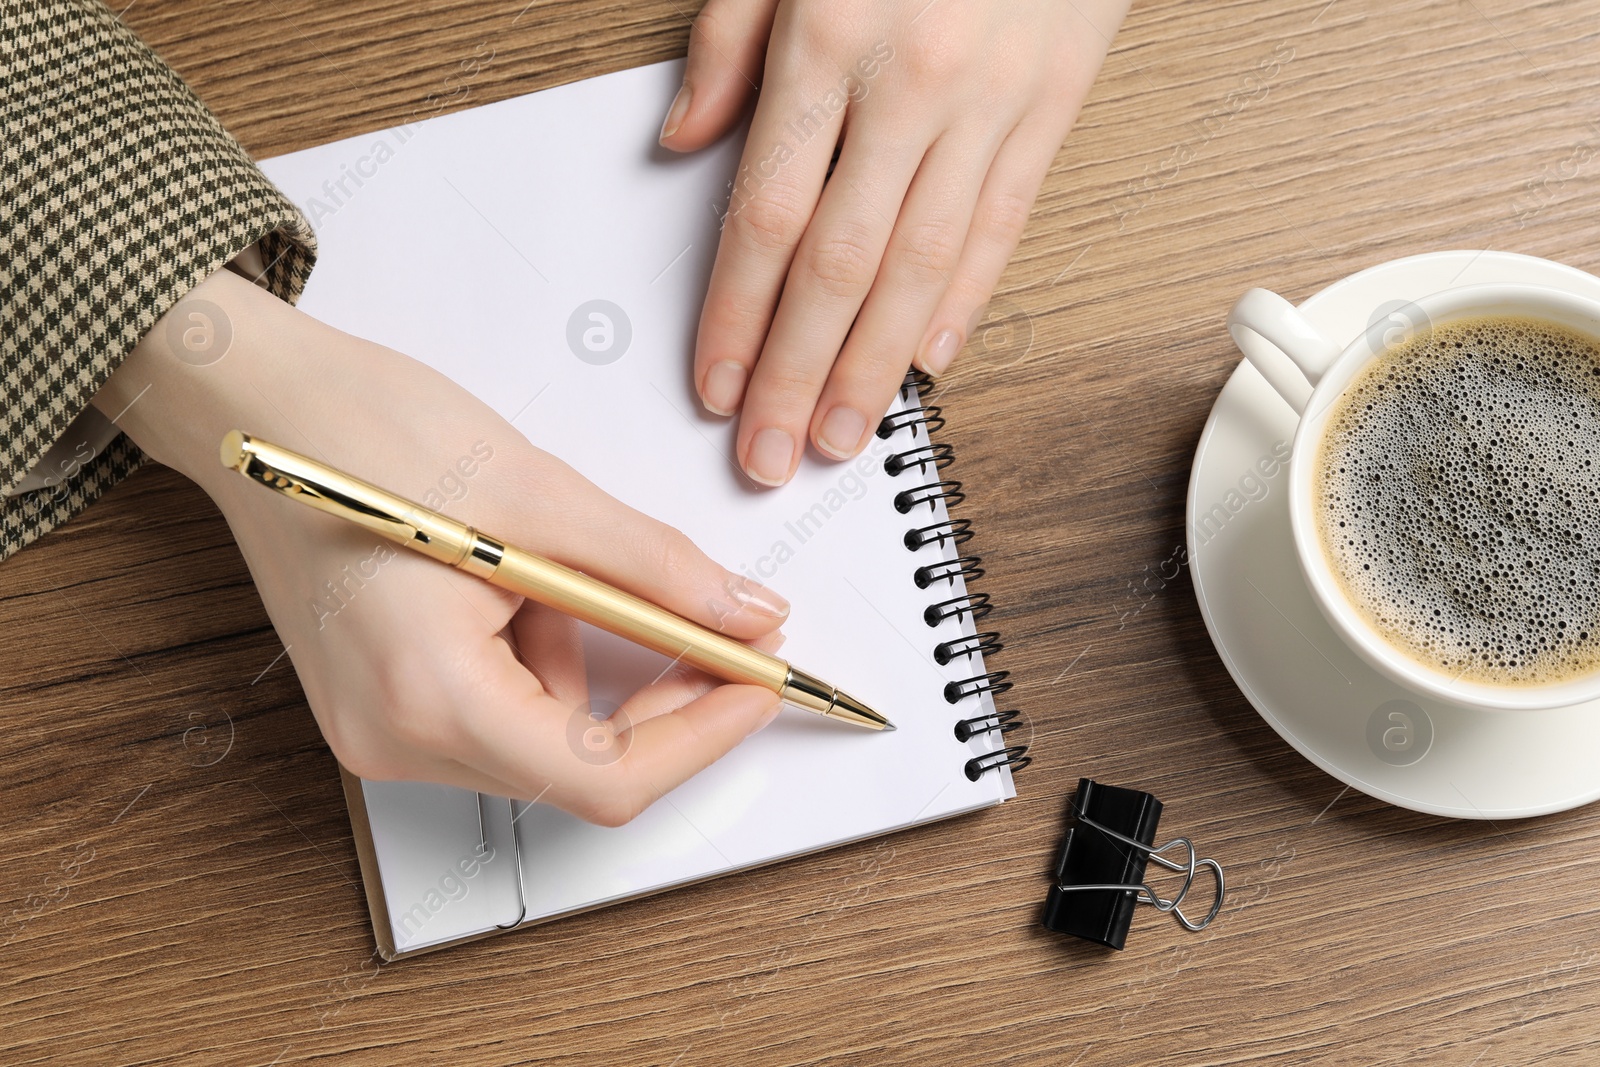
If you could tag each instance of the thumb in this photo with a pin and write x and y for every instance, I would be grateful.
(727, 46)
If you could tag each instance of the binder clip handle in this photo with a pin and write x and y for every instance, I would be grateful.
(1146, 895)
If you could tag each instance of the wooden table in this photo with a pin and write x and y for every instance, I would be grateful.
(169, 799)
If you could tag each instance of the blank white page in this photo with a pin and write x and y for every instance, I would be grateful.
(469, 241)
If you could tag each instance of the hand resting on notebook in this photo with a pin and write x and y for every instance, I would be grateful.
(412, 669)
(946, 116)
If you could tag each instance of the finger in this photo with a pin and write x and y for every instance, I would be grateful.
(832, 272)
(917, 268)
(399, 754)
(551, 646)
(679, 684)
(997, 224)
(575, 523)
(727, 45)
(675, 687)
(513, 732)
(668, 750)
(775, 191)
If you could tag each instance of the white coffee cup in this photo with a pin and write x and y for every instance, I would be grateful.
(1293, 357)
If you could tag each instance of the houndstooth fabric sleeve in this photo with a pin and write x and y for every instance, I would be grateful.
(119, 192)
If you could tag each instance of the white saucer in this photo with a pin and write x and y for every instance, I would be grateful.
(1300, 676)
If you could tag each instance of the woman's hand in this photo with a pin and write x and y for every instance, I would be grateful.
(412, 669)
(946, 115)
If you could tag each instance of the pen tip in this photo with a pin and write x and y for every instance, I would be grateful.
(888, 727)
(852, 711)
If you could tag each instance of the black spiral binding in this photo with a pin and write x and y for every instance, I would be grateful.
(925, 460)
(957, 531)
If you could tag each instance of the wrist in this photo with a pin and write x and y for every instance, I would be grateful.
(217, 360)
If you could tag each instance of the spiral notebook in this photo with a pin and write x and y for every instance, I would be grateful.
(546, 255)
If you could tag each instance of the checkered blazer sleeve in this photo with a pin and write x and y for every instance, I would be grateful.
(119, 192)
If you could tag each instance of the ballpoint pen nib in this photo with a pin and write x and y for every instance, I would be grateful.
(850, 709)
(820, 698)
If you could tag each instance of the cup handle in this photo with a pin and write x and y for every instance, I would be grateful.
(1290, 354)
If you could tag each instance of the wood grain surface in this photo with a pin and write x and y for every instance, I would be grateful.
(175, 860)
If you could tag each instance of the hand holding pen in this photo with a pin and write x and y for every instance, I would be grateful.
(442, 539)
(413, 669)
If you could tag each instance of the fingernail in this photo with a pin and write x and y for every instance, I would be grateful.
(940, 351)
(724, 387)
(675, 113)
(840, 433)
(758, 598)
(771, 452)
(766, 720)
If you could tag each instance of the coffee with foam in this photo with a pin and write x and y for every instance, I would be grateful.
(1457, 497)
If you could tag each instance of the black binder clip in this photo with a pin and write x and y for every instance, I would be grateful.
(1100, 876)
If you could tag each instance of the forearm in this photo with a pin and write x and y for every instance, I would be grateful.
(101, 235)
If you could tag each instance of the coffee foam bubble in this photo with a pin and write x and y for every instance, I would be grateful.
(1457, 493)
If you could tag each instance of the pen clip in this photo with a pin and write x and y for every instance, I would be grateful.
(345, 497)
(327, 499)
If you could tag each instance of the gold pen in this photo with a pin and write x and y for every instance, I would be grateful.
(568, 591)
